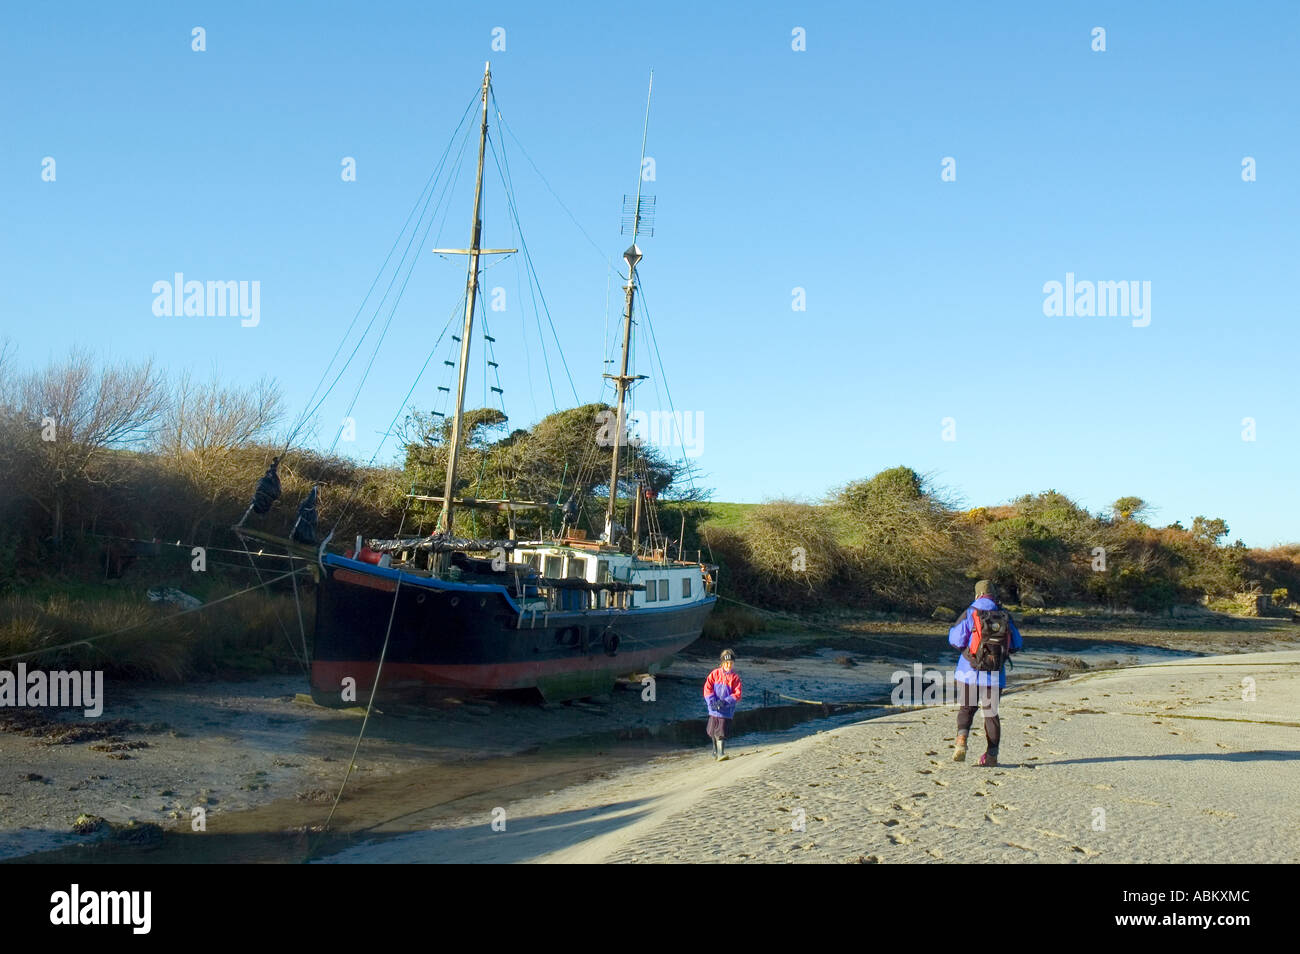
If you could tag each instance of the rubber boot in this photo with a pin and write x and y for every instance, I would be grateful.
(959, 753)
(722, 750)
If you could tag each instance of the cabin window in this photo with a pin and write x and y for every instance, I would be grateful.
(663, 589)
(577, 568)
(554, 568)
(651, 591)
(686, 587)
(602, 572)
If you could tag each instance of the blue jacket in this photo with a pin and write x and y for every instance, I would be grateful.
(721, 692)
(959, 637)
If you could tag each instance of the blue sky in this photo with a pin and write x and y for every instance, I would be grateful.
(775, 169)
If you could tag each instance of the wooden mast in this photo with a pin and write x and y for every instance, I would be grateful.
(471, 294)
(623, 380)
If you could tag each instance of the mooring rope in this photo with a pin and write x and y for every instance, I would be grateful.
(148, 622)
(374, 687)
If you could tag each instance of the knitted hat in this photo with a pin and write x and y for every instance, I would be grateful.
(727, 654)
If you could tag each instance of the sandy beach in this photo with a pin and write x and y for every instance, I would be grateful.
(1187, 761)
(1127, 721)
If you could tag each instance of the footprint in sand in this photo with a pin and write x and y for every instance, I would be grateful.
(924, 771)
(935, 853)
(898, 838)
(932, 752)
(988, 816)
(891, 823)
(1086, 852)
(939, 781)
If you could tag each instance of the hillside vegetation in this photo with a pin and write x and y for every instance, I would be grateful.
(112, 473)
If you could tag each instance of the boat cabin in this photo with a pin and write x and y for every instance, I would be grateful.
(667, 582)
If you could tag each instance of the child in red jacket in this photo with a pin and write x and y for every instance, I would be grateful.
(721, 693)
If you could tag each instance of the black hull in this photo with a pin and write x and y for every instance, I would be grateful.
(460, 636)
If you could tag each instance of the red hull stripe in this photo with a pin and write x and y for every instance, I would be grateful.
(364, 579)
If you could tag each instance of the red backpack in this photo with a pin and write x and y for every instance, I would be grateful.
(990, 641)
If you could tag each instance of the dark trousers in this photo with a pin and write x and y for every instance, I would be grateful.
(717, 728)
(969, 698)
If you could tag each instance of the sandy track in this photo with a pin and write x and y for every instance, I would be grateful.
(1163, 763)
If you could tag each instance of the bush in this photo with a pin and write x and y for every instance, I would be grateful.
(783, 554)
(903, 544)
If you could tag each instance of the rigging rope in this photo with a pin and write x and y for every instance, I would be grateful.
(429, 186)
(374, 686)
(391, 312)
(148, 622)
(511, 206)
(510, 132)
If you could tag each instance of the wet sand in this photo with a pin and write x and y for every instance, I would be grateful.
(264, 767)
(1160, 763)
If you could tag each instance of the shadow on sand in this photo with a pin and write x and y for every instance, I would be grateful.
(523, 839)
(1262, 755)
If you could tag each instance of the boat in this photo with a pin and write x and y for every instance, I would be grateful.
(559, 614)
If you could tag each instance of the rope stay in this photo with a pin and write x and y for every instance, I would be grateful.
(430, 187)
(148, 622)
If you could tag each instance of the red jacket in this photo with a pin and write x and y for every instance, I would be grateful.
(722, 692)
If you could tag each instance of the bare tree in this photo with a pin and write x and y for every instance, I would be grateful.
(75, 414)
(204, 424)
